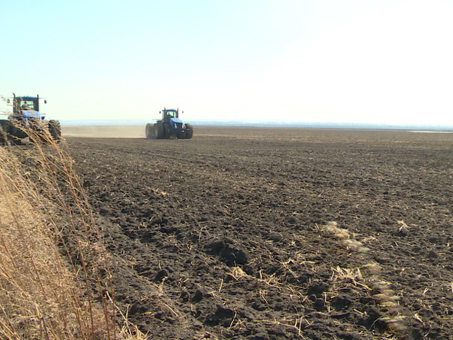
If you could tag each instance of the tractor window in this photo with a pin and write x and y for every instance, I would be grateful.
(27, 105)
(171, 114)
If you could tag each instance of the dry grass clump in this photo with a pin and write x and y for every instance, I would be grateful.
(345, 237)
(54, 281)
(36, 284)
(345, 274)
(381, 291)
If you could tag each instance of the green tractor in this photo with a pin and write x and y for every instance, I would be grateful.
(27, 121)
(170, 126)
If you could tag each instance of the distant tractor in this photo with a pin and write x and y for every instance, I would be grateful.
(26, 118)
(170, 126)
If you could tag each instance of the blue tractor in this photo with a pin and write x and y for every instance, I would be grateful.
(26, 118)
(170, 126)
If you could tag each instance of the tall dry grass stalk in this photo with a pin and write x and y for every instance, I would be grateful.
(54, 269)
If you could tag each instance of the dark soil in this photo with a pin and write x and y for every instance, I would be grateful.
(224, 236)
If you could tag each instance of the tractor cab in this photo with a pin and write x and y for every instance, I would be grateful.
(27, 107)
(168, 114)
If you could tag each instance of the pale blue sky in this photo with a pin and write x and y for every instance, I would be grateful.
(323, 61)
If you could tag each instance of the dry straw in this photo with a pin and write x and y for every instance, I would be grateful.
(381, 291)
(51, 252)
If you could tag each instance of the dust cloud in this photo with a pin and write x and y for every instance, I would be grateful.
(105, 131)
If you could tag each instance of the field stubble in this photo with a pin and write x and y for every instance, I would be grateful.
(227, 235)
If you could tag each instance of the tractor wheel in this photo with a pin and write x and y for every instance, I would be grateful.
(167, 130)
(149, 131)
(17, 129)
(189, 131)
(158, 131)
(4, 131)
(55, 130)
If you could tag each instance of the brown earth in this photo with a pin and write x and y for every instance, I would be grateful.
(226, 235)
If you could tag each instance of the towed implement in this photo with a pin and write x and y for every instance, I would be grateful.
(170, 126)
(27, 121)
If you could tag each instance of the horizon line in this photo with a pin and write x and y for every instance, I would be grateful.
(260, 123)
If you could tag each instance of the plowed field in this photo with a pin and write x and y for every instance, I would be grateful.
(227, 235)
